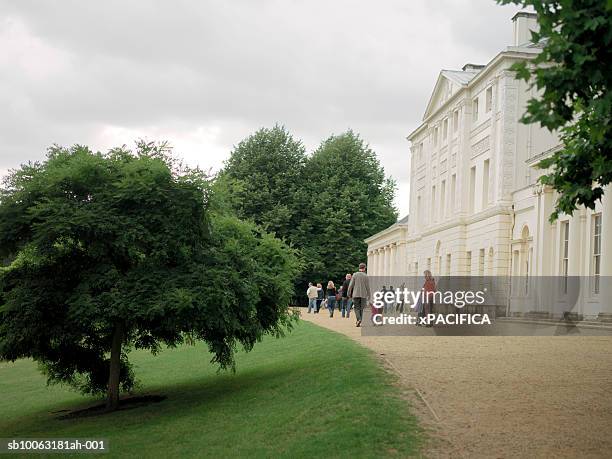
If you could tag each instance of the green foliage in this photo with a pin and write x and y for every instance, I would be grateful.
(95, 240)
(261, 178)
(348, 199)
(325, 204)
(574, 75)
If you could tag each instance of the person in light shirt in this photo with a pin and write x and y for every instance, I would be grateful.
(312, 294)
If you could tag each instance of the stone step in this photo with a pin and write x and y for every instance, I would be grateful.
(579, 323)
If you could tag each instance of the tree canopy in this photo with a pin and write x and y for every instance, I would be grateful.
(263, 174)
(108, 252)
(349, 199)
(324, 204)
(573, 74)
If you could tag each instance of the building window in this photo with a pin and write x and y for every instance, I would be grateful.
(514, 286)
(527, 268)
(596, 261)
(516, 268)
(429, 264)
(448, 264)
(475, 110)
(419, 211)
(453, 191)
(435, 136)
(481, 262)
(445, 129)
(416, 268)
(489, 99)
(472, 189)
(485, 184)
(443, 199)
(433, 203)
(455, 120)
(565, 254)
(468, 263)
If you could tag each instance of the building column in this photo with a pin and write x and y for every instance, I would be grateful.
(402, 262)
(385, 260)
(605, 291)
(373, 270)
(375, 267)
(544, 258)
(606, 233)
(575, 241)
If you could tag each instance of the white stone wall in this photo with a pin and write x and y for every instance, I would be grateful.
(474, 198)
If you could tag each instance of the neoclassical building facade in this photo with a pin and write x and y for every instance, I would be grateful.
(476, 208)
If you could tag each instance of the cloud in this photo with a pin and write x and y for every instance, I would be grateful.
(205, 74)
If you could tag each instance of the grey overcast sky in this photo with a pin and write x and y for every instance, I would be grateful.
(205, 74)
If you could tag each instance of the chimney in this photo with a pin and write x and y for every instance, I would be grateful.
(472, 67)
(524, 23)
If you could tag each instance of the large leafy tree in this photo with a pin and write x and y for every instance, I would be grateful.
(261, 178)
(108, 252)
(348, 199)
(325, 205)
(574, 76)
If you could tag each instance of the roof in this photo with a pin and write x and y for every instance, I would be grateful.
(525, 14)
(460, 77)
(402, 222)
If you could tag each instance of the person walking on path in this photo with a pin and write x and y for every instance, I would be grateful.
(400, 305)
(429, 288)
(346, 302)
(320, 297)
(359, 291)
(391, 303)
(383, 293)
(311, 293)
(331, 297)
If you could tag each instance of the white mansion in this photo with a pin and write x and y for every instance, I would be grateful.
(476, 208)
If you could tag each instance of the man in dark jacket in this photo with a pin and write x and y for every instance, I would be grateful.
(359, 291)
(320, 296)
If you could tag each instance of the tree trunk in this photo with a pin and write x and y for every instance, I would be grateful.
(112, 401)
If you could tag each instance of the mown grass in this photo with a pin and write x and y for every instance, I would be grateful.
(314, 393)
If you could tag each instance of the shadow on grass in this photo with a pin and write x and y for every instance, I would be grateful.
(181, 399)
(127, 403)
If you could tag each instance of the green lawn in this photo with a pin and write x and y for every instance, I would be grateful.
(314, 393)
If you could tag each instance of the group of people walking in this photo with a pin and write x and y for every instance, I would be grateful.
(354, 293)
(330, 297)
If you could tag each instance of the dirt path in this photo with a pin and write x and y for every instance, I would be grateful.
(501, 396)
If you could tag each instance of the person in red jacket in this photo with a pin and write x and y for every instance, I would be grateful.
(429, 288)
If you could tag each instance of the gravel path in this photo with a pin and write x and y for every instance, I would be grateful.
(501, 396)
